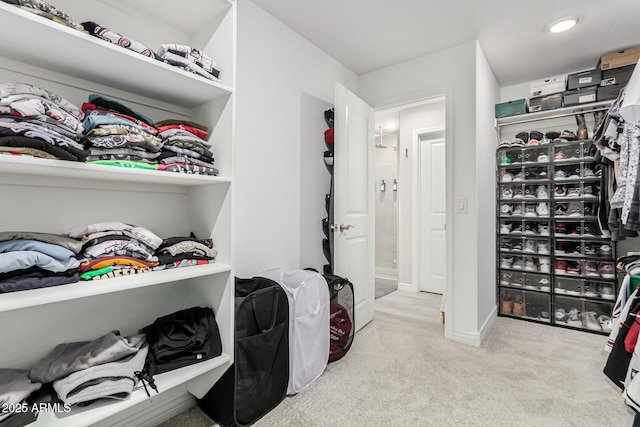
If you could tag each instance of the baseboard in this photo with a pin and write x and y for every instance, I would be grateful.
(476, 338)
(407, 287)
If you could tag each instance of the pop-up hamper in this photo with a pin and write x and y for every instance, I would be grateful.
(341, 317)
(257, 381)
(308, 296)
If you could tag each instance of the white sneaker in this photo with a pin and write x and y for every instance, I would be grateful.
(543, 229)
(545, 265)
(507, 177)
(542, 157)
(517, 210)
(505, 262)
(507, 193)
(530, 246)
(543, 247)
(542, 209)
(518, 264)
(505, 228)
(544, 284)
(530, 265)
(541, 192)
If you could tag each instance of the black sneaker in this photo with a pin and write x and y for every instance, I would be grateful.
(591, 229)
(561, 209)
(517, 192)
(530, 192)
(530, 228)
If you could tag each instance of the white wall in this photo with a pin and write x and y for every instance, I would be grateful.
(450, 72)
(487, 95)
(275, 66)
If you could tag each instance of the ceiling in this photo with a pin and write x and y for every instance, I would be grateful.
(366, 35)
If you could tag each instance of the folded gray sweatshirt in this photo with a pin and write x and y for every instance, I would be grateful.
(68, 358)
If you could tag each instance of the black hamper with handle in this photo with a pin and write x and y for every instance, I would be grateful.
(257, 381)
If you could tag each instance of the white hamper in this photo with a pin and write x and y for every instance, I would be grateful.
(308, 296)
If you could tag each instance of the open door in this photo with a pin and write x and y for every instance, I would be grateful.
(353, 209)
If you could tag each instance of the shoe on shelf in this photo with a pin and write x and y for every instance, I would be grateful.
(505, 228)
(590, 250)
(544, 284)
(530, 246)
(573, 268)
(517, 143)
(518, 264)
(590, 290)
(574, 210)
(517, 210)
(506, 306)
(574, 172)
(505, 245)
(590, 321)
(605, 251)
(573, 192)
(530, 210)
(517, 280)
(561, 227)
(588, 172)
(558, 288)
(588, 192)
(561, 191)
(542, 157)
(506, 209)
(516, 229)
(507, 177)
(541, 192)
(604, 321)
(523, 136)
(506, 160)
(552, 134)
(517, 193)
(573, 229)
(575, 290)
(506, 193)
(530, 192)
(530, 265)
(587, 209)
(591, 229)
(545, 265)
(543, 247)
(605, 290)
(543, 229)
(542, 209)
(561, 209)
(530, 229)
(517, 246)
(561, 316)
(574, 250)
(506, 262)
(606, 270)
(560, 267)
(568, 135)
(591, 269)
(505, 278)
(518, 306)
(582, 134)
(534, 134)
(573, 318)
(560, 174)
(558, 156)
(520, 176)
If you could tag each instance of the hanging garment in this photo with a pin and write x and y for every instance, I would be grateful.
(630, 108)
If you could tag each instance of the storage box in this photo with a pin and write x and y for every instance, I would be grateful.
(547, 102)
(511, 108)
(548, 86)
(580, 96)
(605, 93)
(616, 76)
(584, 79)
(620, 58)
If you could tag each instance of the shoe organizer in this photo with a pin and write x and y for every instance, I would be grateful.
(511, 156)
(536, 155)
(512, 302)
(571, 228)
(582, 314)
(537, 306)
(569, 152)
(526, 263)
(529, 245)
(575, 209)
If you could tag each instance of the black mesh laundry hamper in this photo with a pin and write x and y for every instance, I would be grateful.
(257, 381)
(342, 315)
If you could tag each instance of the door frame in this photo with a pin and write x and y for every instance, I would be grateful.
(416, 221)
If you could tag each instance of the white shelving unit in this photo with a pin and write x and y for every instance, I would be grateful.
(53, 196)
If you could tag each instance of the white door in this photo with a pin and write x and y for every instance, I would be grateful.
(432, 212)
(353, 208)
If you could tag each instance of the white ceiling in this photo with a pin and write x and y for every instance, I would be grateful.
(366, 35)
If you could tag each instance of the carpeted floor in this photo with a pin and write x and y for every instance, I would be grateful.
(402, 372)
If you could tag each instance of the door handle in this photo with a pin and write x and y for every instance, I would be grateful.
(345, 227)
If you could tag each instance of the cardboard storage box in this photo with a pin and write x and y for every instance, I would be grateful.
(547, 102)
(605, 93)
(620, 58)
(511, 108)
(580, 96)
(616, 76)
(548, 86)
(584, 79)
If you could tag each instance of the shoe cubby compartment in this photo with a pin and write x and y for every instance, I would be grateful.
(568, 152)
(568, 311)
(576, 209)
(536, 154)
(528, 245)
(596, 316)
(537, 306)
(586, 287)
(525, 209)
(572, 228)
(512, 302)
(537, 282)
(510, 156)
(585, 191)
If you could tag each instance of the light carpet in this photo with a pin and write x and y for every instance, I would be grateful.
(402, 372)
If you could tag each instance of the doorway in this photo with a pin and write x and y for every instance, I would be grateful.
(410, 140)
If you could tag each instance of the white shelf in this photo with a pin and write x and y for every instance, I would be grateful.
(27, 165)
(552, 114)
(102, 410)
(35, 297)
(56, 47)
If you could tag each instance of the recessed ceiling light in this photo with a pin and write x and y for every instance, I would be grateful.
(563, 24)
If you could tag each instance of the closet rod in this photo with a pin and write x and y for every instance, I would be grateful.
(552, 114)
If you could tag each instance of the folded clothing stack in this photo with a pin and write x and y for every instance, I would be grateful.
(118, 39)
(36, 260)
(82, 372)
(189, 59)
(112, 249)
(44, 9)
(39, 123)
(176, 252)
(15, 388)
(184, 148)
